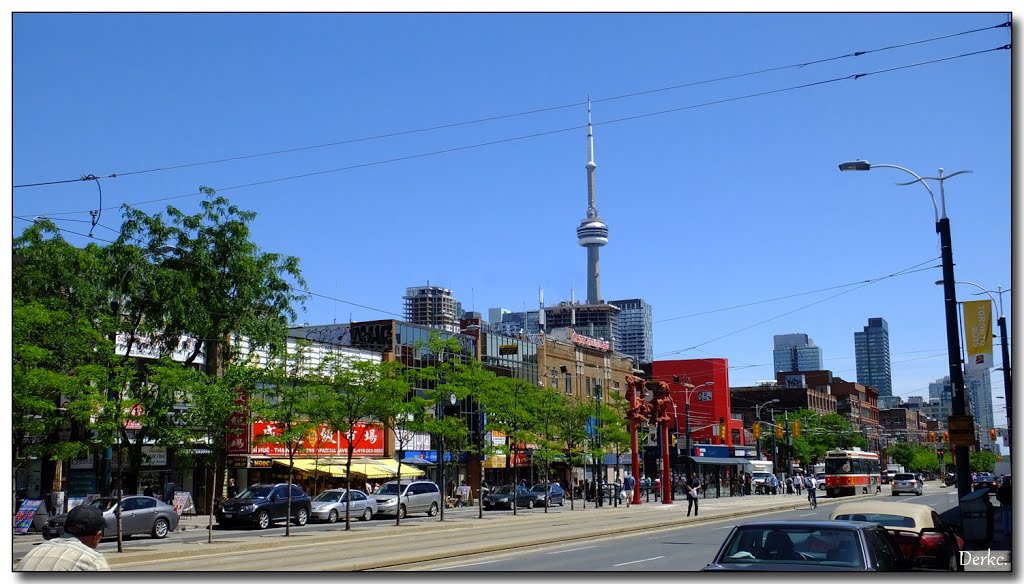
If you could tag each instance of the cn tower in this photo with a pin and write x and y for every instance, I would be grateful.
(592, 232)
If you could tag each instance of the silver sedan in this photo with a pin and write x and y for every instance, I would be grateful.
(330, 505)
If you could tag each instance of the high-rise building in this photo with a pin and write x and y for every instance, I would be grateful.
(432, 306)
(941, 389)
(796, 352)
(872, 350)
(494, 314)
(636, 331)
(979, 390)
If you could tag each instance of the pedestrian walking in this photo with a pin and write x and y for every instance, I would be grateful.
(75, 551)
(798, 483)
(627, 488)
(773, 484)
(693, 487)
(232, 489)
(789, 485)
(812, 490)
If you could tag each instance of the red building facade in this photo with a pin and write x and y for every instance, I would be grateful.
(709, 399)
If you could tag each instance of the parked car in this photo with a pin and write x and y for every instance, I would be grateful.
(330, 505)
(906, 521)
(547, 495)
(139, 515)
(808, 546)
(263, 504)
(820, 477)
(905, 482)
(984, 480)
(501, 497)
(416, 497)
(885, 477)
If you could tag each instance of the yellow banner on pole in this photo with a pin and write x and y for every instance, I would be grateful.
(978, 335)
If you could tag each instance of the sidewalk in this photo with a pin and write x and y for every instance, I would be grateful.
(463, 534)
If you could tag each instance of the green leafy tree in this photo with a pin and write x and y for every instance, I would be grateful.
(61, 347)
(548, 407)
(398, 407)
(213, 286)
(509, 412)
(284, 399)
(984, 461)
(572, 428)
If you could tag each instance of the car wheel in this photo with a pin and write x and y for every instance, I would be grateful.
(401, 511)
(302, 517)
(433, 510)
(529, 504)
(332, 517)
(367, 514)
(263, 520)
(160, 528)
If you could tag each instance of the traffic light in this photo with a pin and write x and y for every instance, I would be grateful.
(778, 432)
(796, 428)
(673, 438)
(757, 430)
(722, 429)
(945, 437)
(931, 437)
(992, 433)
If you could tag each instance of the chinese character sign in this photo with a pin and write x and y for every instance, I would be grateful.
(238, 429)
(322, 441)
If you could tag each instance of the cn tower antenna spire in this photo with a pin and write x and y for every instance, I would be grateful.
(592, 232)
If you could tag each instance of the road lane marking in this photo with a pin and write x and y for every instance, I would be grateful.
(808, 514)
(725, 527)
(637, 561)
(572, 550)
(466, 565)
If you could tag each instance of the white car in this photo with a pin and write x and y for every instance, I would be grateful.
(330, 505)
(905, 482)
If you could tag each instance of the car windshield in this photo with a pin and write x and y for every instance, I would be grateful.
(103, 504)
(904, 477)
(762, 475)
(387, 489)
(506, 490)
(886, 519)
(330, 496)
(779, 544)
(541, 488)
(256, 492)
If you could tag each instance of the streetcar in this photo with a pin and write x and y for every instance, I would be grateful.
(847, 471)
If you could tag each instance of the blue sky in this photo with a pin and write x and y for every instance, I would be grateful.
(714, 209)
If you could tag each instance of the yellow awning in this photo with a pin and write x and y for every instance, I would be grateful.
(311, 466)
(394, 465)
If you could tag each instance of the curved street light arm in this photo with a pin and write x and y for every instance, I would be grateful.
(919, 179)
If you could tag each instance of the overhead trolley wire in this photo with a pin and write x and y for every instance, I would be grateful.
(518, 114)
(558, 131)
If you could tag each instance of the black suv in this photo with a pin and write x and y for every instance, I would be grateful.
(262, 504)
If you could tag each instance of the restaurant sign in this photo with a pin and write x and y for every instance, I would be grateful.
(322, 441)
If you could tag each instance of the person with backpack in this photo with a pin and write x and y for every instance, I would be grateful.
(812, 490)
(627, 488)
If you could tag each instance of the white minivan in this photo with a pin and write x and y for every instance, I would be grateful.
(408, 497)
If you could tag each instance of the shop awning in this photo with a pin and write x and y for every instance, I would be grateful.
(312, 466)
(393, 466)
(715, 460)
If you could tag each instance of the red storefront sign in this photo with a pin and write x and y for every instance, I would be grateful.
(238, 429)
(368, 440)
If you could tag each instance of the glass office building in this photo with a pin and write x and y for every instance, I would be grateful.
(636, 331)
(872, 351)
(796, 352)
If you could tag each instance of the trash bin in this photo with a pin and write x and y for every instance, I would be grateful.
(976, 517)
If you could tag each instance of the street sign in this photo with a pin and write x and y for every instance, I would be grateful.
(961, 424)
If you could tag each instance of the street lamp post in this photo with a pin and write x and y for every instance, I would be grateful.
(688, 392)
(1001, 322)
(757, 414)
(956, 376)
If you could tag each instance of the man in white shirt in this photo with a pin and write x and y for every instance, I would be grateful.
(76, 551)
(812, 490)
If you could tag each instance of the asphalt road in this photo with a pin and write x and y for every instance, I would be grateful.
(687, 548)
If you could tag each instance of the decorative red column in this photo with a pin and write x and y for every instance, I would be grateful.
(637, 412)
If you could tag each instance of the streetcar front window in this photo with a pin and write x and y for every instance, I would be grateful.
(836, 466)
